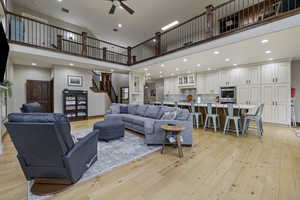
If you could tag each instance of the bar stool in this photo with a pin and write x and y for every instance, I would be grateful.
(176, 104)
(197, 116)
(210, 115)
(257, 117)
(236, 118)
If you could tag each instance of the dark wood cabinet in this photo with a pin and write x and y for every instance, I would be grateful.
(75, 104)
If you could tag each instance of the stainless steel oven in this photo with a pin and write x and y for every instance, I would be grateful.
(228, 95)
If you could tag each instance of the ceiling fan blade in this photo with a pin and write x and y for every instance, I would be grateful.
(127, 8)
(112, 10)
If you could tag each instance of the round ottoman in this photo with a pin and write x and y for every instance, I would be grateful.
(109, 129)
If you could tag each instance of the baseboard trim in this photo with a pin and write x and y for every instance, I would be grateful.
(94, 117)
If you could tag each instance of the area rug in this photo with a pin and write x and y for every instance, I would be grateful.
(110, 155)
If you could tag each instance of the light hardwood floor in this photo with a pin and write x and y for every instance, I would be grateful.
(217, 167)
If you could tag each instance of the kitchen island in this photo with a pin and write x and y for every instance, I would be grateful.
(239, 109)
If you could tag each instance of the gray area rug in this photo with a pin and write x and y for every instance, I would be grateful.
(110, 155)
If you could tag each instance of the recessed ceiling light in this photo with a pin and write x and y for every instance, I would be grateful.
(160, 72)
(161, 76)
(216, 52)
(268, 52)
(227, 59)
(234, 64)
(149, 74)
(162, 65)
(59, 0)
(154, 40)
(264, 41)
(177, 69)
(146, 69)
(120, 25)
(271, 59)
(208, 69)
(170, 25)
(198, 65)
(185, 60)
(112, 70)
(71, 64)
(33, 64)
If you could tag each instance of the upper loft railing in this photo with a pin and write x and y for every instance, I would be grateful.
(216, 22)
(31, 32)
(227, 18)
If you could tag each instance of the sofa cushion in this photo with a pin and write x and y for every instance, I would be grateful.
(132, 109)
(165, 109)
(169, 116)
(123, 109)
(115, 108)
(134, 119)
(141, 110)
(152, 112)
(182, 114)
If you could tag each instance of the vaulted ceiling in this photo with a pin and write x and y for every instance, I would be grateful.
(150, 15)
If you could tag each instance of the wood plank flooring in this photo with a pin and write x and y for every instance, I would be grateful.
(217, 167)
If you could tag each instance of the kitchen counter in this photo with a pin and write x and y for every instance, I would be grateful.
(237, 106)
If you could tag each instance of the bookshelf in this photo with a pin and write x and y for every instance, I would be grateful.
(75, 104)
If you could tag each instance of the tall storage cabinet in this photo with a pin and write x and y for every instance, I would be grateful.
(75, 104)
(276, 86)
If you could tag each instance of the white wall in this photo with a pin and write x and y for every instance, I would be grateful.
(118, 81)
(98, 102)
(20, 76)
(296, 84)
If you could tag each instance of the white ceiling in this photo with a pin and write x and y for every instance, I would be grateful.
(150, 16)
(284, 45)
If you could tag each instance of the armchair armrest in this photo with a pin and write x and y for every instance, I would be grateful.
(82, 155)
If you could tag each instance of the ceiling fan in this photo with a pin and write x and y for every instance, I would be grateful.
(119, 3)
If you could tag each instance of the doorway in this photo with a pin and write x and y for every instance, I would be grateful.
(41, 92)
(124, 92)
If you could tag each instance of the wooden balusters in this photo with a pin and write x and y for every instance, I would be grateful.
(84, 44)
(104, 53)
(158, 44)
(129, 55)
(209, 21)
(59, 42)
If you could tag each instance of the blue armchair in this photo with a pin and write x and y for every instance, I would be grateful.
(46, 149)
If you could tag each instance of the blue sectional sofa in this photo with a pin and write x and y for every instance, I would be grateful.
(147, 119)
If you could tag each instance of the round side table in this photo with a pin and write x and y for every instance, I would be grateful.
(175, 131)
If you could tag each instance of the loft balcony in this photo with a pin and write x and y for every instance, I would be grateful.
(217, 22)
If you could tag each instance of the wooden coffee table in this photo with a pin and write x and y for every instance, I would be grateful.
(175, 131)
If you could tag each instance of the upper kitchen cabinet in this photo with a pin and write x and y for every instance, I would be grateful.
(249, 76)
(171, 86)
(201, 83)
(212, 83)
(276, 73)
(187, 81)
(229, 77)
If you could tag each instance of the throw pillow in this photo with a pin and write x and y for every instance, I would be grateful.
(141, 110)
(115, 108)
(169, 116)
(182, 114)
(132, 109)
(124, 109)
(152, 112)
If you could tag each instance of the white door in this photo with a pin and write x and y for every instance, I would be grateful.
(282, 103)
(254, 75)
(243, 94)
(267, 73)
(268, 100)
(243, 76)
(283, 73)
(200, 84)
(255, 94)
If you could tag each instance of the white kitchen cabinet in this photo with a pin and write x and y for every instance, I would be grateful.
(171, 86)
(276, 73)
(201, 83)
(229, 77)
(249, 94)
(187, 81)
(276, 98)
(249, 75)
(212, 83)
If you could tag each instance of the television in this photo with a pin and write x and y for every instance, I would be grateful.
(3, 53)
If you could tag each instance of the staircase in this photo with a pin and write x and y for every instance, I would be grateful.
(102, 84)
